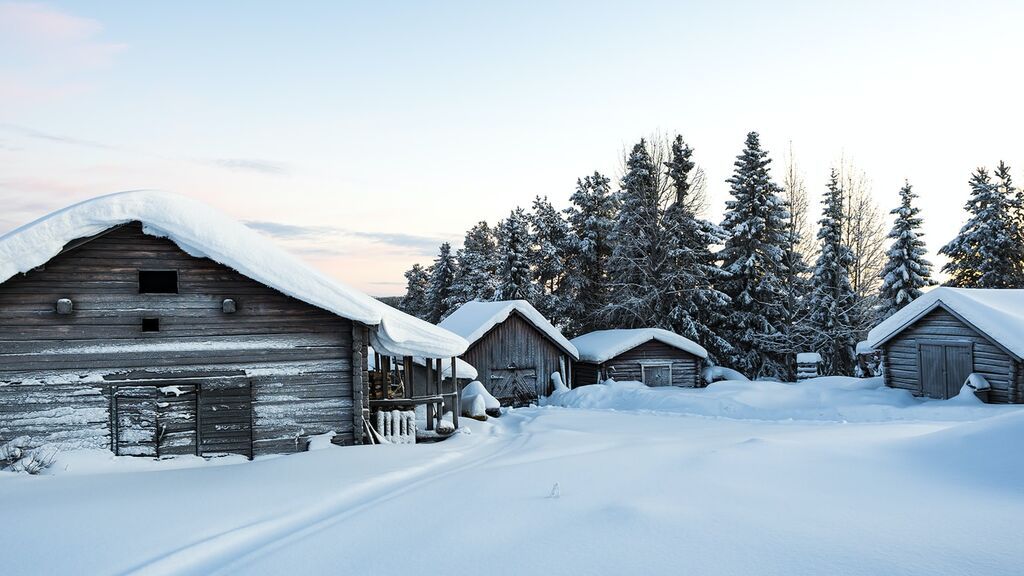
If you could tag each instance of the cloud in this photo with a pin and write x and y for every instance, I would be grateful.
(40, 135)
(418, 244)
(51, 36)
(251, 165)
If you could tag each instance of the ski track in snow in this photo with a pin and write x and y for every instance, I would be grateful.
(230, 550)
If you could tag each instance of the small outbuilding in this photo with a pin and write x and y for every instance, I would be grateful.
(514, 348)
(150, 324)
(653, 356)
(934, 344)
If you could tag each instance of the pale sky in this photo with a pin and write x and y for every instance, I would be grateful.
(361, 135)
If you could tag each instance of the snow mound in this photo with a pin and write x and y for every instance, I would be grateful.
(474, 319)
(997, 313)
(986, 452)
(825, 399)
(808, 358)
(603, 345)
(476, 389)
(205, 232)
(716, 373)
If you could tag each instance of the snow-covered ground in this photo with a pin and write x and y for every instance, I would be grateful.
(831, 476)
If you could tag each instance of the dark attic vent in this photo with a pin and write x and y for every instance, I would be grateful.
(158, 281)
(150, 324)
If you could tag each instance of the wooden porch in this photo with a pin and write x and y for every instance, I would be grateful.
(403, 383)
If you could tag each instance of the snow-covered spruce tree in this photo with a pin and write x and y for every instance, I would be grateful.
(985, 253)
(515, 280)
(415, 300)
(906, 271)
(476, 277)
(549, 247)
(638, 253)
(1015, 202)
(754, 261)
(442, 274)
(694, 307)
(591, 219)
(832, 297)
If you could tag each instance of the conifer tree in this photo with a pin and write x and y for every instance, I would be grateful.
(414, 302)
(906, 271)
(514, 275)
(591, 219)
(694, 308)
(442, 274)
(638, 253)
(986, 252)
(477, 267)
(550, 244)
(832, 296)
(754, 260)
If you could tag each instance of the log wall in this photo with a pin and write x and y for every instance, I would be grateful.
(58, 372)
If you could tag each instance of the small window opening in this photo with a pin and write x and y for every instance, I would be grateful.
(158, 281)
(150, 324)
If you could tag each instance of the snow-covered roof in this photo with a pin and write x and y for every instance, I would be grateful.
(999, 314)
(603, 345)
(808, 358)
(203, 231)
(474, 319)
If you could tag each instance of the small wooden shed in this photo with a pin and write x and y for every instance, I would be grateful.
(514, 349)
(149, 324)
(936, 342)
(653, 356)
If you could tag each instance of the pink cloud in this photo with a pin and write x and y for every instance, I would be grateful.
(45, 33)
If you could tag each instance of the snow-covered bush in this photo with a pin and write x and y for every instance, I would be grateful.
(15, 457)
(492, 406)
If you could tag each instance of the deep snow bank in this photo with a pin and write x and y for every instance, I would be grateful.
(831, 398)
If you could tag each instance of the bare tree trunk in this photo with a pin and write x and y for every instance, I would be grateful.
(864, 231)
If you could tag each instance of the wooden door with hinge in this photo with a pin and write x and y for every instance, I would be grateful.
(514, 386)
(657, 374)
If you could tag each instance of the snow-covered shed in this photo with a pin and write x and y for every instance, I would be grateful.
(151, 324)
(932, 345)
(653, 356)
(513, 347)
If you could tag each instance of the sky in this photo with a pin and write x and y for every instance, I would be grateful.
(360, 135)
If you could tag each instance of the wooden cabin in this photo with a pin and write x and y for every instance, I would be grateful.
(151, 325)
(653, 356)
(514, 349)
(936, 342)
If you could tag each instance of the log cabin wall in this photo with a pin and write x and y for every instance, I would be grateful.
(517, 341)
(58, 373)
(628, 366)
(902, 360)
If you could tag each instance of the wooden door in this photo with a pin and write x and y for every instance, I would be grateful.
(944, 368)
(514, 386)
(933, 364)
(135, 420)
(176, 414)
(657, 375)
(959, 365)
(225, 417)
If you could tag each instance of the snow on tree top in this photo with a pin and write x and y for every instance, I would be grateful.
(474, 319)
(603, 345)
(998, 313)
(202, 231)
